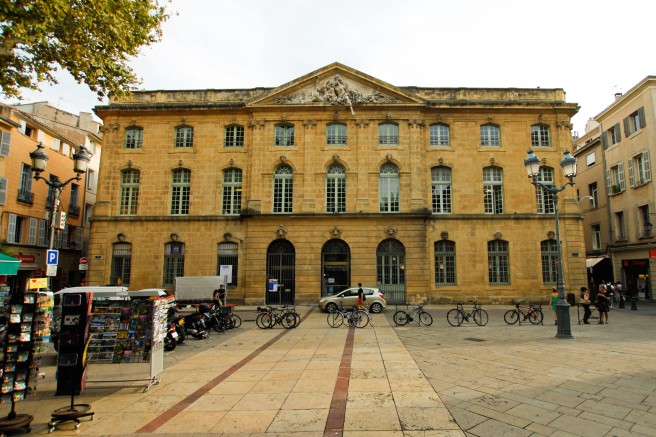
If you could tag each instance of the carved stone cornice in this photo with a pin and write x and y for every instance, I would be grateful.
(362, 122)
(256, 124)
(564, 125)
(309, 123)
(416, 122)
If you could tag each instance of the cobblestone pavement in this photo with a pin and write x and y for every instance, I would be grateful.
(496, 380)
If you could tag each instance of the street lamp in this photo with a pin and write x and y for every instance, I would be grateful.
(39, 160)
(568, 163)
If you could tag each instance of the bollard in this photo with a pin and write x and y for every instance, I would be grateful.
(634, 304)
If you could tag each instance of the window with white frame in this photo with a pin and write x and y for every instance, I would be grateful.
(441, 190)
(544, 199)
(490, 135)
(388, 134)
(549, 255)
(336, 134)
(635, 121)
(129, 192)
(232, 186)
(174, 260)
(439, 134)
(493, 190)
(445, 262)
(596, 237)
(389, 187)
(234, 136)
(25, 188)
(594, 193)
(615, 179)
(91, 180)
(284, 135)
(336, 189)
(283, 189)
(184, 137)
(612, 136)
(56, 144)
(498, 264)
(180, 191)
(590, 159)
(639, 169)
(540, 136)
(133, 137)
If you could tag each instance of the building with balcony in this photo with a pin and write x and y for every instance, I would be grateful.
(332, 179)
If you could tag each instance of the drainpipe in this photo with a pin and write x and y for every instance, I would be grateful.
(608, 198)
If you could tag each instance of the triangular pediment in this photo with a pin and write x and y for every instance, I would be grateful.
(336, 85)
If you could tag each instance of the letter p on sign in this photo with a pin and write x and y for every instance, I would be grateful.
(52, 257)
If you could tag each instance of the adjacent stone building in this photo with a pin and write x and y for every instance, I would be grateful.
(332, 179)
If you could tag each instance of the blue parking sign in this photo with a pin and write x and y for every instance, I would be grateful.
(52, 257)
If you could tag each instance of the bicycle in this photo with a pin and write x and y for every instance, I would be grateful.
(456, 316)
(532, 313)
(354, 317)
(270, 316)
(402, 317)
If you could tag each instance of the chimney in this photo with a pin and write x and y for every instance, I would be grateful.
(617, 96)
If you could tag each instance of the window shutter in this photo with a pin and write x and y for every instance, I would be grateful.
(618, 132)
(3, 191)
(42, 233)
(631, 176)
(609, 188)
(647, 165)
(620, 175)
(11, 228)
(605, 140)
(31, 234)
(641, 114)
(4, 143)
(627, 129)
(78, 239)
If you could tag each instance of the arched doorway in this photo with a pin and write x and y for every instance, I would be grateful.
(390, 268)
(281, 265)
(335, 266)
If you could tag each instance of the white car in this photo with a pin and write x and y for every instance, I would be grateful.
(374, 300)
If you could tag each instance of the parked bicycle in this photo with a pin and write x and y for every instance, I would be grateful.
(270, 316)
(223, 318)
(532, 313)
(403, 317)
(458, 315)
(356, 317)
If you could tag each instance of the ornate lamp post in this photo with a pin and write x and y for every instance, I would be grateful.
(568, 163)
(39, 158)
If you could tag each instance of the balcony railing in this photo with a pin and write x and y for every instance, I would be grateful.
(50, 201)
(74, 210)
(25, 196)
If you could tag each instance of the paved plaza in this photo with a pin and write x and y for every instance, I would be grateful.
(496, 380)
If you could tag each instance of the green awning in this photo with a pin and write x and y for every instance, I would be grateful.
(8, 265)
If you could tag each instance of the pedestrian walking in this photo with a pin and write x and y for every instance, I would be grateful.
(585, 303)
(361, 296)
(603, 302)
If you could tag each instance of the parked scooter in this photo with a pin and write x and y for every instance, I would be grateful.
(175, 318)
(195, 325)
(171, 339)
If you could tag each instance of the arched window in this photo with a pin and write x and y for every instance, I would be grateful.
(129, 192)
(388, 134)
(545, 201)
(283, 189)
(284, 135)
(540, 135)
(184, 137)
(498, 263)
(490, 135)
(336, 189)
(389, 188)
(180, 191)
(445, 262)
(441, 190)
(439, 134)
(493, 190)
(133, 137)
(232, 180)
(336, 134)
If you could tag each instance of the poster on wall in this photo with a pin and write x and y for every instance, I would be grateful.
(226, 270)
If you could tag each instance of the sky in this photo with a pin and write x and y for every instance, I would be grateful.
(590, 48)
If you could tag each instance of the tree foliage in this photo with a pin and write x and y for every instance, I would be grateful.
(91, 39)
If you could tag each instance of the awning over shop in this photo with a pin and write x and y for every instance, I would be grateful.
(8, 265)
(591, 262)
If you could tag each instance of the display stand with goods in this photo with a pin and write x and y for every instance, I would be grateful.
(26, 336)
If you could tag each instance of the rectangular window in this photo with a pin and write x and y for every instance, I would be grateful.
(180, 192)
(56, 144)
(590, 159)
(336, 134)
(498, 265)
(129, 192)
(234, 136)
(121, 263)
(14, 229)
(284, 135)
(173, 262)
(25, 194)
(73, 206)
(615, 179)
(43, 236)
(639, 170)
(91, 180)
(445, 263)
(441, 190)
(388, 134)
(490, 135)
(635, 121)
(3, 191)
(66, 149)
(5, 141)
(133, 138)
(228, 256)
(549, 249)
(645, 221)
(544, 198)
(439, 135)
(232, 191)
(184, 137)
(613, 135)
(596, 237)
(620, 231)
(493, 190)
(594, 193)
(32, 230)
(540, 136)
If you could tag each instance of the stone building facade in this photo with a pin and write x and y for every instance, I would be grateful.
(332, 179)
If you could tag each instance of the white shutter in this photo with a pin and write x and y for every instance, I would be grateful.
(78, 238)
(631, 176)
(11, 228)
(3, 190)
(43, 231)
(40, 135)
(620, 176)
(31, 234)
(5, 140)
(609, 188)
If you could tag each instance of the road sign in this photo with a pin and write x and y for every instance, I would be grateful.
(84, 263)
(52, 257)
(51, 270)
(60, 220)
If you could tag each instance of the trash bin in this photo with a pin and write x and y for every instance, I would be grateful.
(571, 299)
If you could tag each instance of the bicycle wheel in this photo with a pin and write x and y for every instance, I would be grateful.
(360, 319)
(237, 320)
(510, 317)
(455, 317)
(335, 320)
(480, 317)
(298, 318)
(536, 317)
(288, 321)
(219, 324)
(425, 318)
(264, 320)
(400, 317)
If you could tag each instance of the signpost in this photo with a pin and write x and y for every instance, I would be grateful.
(52, 257)
(84, 263)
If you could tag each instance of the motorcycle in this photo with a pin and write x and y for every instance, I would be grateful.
(195, 325)
(170, 341)
(176, 319)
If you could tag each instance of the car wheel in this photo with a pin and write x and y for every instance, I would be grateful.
(331, 307)
(375, 307)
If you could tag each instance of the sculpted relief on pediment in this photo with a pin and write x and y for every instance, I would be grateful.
(338, 91)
